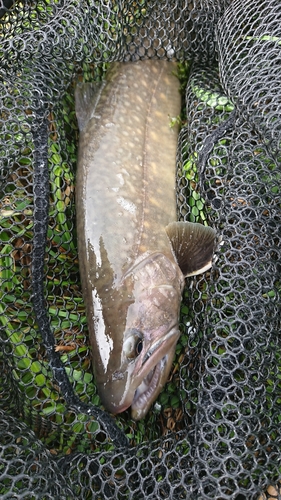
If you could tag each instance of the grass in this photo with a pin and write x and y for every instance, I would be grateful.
(28, 362)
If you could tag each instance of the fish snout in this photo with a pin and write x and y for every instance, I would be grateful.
(113, 393)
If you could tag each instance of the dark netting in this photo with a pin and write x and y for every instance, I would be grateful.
(214, 431)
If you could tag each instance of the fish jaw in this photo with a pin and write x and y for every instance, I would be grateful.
(140, 382)
(151, 385)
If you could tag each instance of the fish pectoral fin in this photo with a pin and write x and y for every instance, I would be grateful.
(86, 98)
(193, 245)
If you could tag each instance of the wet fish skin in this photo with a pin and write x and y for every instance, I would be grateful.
(133, 255)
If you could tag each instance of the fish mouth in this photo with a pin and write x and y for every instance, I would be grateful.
(148, 390)
(139, 388)
(153, 382)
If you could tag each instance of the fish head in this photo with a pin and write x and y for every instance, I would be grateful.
(142, 360)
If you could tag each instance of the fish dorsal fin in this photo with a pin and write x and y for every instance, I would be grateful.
(86, 98)
(193, 245)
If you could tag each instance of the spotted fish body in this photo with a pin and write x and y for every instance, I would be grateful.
(133, 255)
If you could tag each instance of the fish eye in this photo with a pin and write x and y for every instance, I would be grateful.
(139, 347)
(133, 343)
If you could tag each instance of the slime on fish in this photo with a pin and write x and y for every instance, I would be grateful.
(133, 254)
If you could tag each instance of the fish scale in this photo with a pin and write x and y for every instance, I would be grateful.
(132, 176)
(129, 243)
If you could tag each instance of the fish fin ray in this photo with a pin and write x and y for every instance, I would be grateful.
(86, 98)
(193, 245)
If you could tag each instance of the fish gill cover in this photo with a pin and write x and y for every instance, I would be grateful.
(214, 431)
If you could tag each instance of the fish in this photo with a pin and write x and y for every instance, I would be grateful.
(133, 253)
